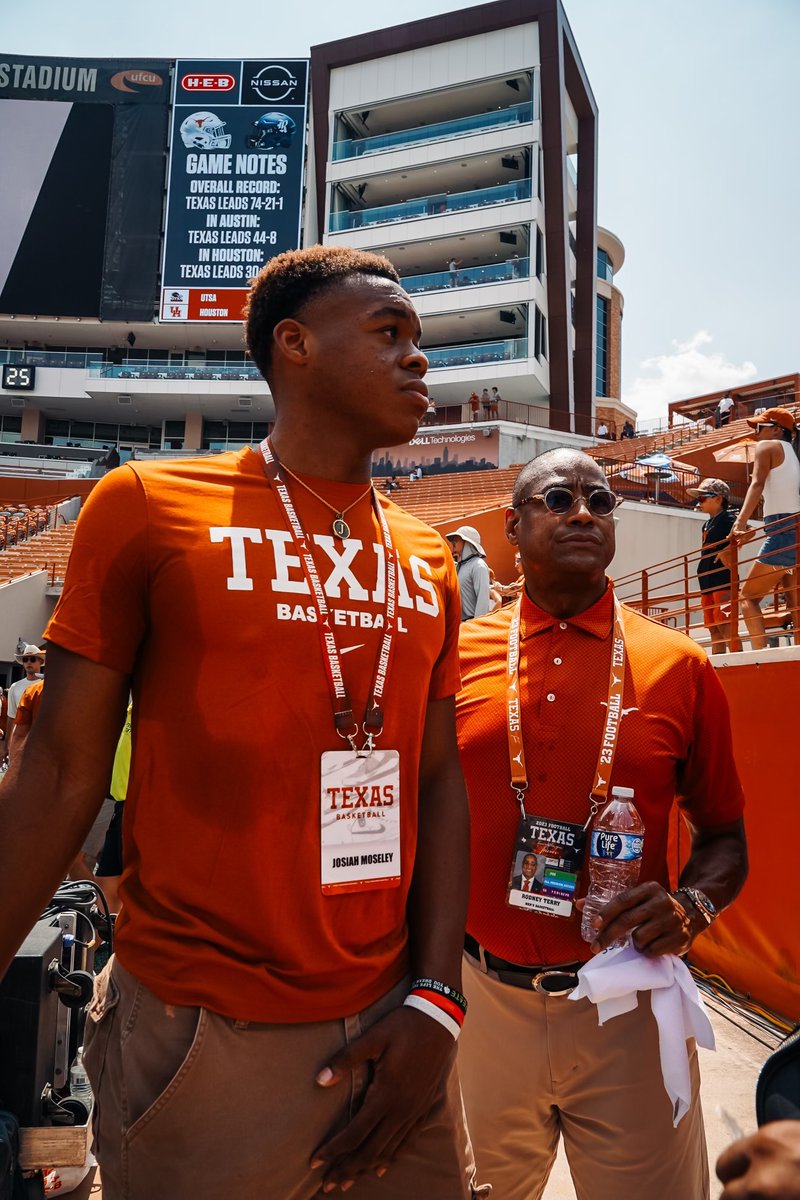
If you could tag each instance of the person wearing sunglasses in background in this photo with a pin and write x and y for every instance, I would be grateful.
(776, 477)
(31, 659)
(533, 734)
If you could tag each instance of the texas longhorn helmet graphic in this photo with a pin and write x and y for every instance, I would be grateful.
(204, 131)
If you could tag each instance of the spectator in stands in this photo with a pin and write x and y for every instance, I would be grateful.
(244, 933)
(602, 430)
(510, 591)
(27, 710)
(713, 576)
(486, 403)
(473, 573)
(724, 411)
(31, 659)
(628, 430)
(474, 406)
(494, 404)
(495, 592)
(776, 477)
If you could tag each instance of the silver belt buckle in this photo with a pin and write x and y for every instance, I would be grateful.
(537, 980)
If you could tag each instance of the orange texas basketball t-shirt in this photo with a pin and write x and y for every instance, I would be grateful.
(185, 574)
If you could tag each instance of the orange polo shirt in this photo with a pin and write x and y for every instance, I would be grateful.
(674, 745)
(183, 573)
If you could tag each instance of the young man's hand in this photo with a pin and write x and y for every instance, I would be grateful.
(409, 1054)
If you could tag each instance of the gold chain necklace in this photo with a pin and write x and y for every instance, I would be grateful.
(339, 527)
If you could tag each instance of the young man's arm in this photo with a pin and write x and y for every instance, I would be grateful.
(51, 794)
(410, 1051)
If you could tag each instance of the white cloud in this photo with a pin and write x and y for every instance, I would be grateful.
(689, 370)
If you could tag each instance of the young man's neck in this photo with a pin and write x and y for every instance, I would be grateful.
(566, 600)
(328, 455)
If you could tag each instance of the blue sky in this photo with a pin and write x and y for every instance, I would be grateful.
(699, 162)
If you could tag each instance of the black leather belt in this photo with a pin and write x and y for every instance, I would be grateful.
(548, 980)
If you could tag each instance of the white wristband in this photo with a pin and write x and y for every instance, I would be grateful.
(425, 1006)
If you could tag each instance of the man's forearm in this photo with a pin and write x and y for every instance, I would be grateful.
(717, 864)
(437, 908)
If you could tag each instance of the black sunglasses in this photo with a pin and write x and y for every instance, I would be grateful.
(560, 500)
(30, 658)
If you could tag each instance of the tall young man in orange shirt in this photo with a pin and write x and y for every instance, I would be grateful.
(538, 747)
(281, 1014)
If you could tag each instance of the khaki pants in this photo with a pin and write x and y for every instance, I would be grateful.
(191, 1105)
(534, 1068)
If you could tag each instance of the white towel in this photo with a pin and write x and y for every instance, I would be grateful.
(611, 981)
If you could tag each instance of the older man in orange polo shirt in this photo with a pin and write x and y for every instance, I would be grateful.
(534, 1065)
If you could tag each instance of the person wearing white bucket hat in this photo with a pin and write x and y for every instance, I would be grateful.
(473, 573)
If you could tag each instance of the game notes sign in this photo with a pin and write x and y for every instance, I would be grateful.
(235, 185)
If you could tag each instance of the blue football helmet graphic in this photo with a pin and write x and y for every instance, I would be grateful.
(272, 131)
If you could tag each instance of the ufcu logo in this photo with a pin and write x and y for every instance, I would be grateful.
(335, 564)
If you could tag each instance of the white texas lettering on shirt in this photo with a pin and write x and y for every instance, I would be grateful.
(336, 564)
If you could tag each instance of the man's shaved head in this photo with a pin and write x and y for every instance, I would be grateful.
(529, 480)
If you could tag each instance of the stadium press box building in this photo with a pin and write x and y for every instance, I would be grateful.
(463, 146)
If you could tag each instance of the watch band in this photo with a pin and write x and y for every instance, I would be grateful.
(701, 902)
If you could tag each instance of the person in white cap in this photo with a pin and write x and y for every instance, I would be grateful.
(473, 573)
(31, 659)
(713, 576)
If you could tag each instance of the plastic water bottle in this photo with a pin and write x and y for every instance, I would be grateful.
(615, 855)
(79, 1086)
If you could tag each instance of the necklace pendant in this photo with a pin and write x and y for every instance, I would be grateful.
(340, 527)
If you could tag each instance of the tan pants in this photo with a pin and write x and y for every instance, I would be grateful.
(195, 1106)
(534, 1067)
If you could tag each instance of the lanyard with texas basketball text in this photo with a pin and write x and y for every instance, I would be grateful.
(360, 787)
(548, 854)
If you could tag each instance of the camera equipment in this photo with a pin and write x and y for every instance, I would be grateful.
(43, 997)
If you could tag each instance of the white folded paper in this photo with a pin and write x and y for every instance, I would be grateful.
(611, 981)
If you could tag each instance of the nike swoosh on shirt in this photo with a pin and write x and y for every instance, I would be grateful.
(347, 649)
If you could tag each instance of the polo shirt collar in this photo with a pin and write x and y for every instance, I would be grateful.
(595, 620)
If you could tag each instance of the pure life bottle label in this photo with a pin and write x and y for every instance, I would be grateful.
(622, 847)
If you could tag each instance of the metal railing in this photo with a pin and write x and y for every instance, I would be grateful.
(474, 354)
(669, 592)
(516, 114)
(429, 206)
(503, 272)
(167, 371)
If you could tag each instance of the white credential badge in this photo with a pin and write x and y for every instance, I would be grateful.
(360, 820)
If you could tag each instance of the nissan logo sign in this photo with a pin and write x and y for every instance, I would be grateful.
(274, 83)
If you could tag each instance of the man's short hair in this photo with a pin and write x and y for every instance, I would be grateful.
(290, 280)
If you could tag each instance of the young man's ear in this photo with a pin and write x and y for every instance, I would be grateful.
(290, 338)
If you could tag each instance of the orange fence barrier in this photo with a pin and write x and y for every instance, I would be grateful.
(755, 945)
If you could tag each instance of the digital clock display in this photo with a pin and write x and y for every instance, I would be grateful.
(18, 379)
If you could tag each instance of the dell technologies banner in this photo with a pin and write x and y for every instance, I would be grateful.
(235, 181)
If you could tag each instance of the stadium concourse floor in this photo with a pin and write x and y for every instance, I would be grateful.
(729, 1081)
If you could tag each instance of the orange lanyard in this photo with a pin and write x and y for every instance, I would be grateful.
(608, 746)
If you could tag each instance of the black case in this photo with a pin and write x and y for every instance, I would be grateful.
(778, 1087)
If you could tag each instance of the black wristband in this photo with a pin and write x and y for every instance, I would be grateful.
(443, 989)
